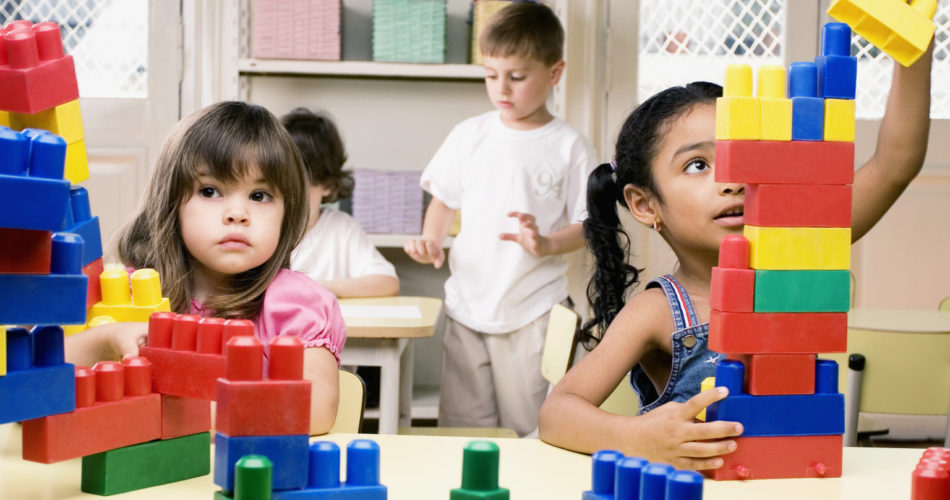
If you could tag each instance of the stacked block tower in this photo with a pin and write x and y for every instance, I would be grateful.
(781, 291)
(616, 477)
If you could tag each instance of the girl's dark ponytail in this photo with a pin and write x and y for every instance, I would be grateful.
(610, 246)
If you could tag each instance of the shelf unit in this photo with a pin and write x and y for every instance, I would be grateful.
(472, 72)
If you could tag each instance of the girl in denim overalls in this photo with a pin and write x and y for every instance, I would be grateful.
(662, 174)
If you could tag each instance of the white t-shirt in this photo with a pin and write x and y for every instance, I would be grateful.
(336, 247)
(487, 170)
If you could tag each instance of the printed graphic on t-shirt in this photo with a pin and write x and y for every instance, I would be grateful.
(547, 185)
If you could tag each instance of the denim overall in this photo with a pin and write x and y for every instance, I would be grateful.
(692, 359)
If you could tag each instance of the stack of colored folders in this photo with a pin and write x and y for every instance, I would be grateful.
(781, 292)
(388, 202)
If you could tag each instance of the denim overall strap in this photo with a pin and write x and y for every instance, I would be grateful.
(684, 314)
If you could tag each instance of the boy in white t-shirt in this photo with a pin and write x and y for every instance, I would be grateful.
(519, 175)
(335, 250)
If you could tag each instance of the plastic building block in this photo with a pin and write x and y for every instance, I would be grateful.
(737, 112)
(94, 292)
(63, 120)
(733, 283)
(839, 120)
(797, 205)
(35, 74)
(781, 457)
(245, 407)
(480, 473)
(24, 251)
(821, 413)
(252, 479)
(288, 454)
(616, 477)
(902, 31)
(31, 183)
(808, 110)
(705, 385)
(120, 304)
(56, 298)
(79, 220)
(323, 481)
(931, 477)
(4, 119)
(776, 109)
(76, 169)
(778, 162)
(37, 382)
(775, 374)
(837, 70)
(184, 416)
(148, 464)
(802, 291)
(777, 333)
(799, 247)
(114, 408)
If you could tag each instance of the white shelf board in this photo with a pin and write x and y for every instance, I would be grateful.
(362, 68)
(398, 240)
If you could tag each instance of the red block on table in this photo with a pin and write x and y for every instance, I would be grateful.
(797, 205)
(781, 457)
(184, 416)
(777, 333)
(732, 290)
(122, 413)
(94, 292)
(785, 162)
(35, 73)
(931, 478)
(776, 374)
(25, 251)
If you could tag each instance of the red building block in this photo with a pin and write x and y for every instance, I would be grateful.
(35, 73)
(777, 333)
(180, 370)
(775, 374)
(184, 416)
(25, 251)
(246, 401)
(781, 457)
(785, 162)
(123, 412)
(931, 478)
(733, 282)
(94, 292)
(797, 205)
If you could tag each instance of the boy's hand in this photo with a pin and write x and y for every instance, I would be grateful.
(672, 436)
(527, 235)
(425, 252)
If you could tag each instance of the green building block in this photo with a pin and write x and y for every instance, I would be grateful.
(253, 479)
(802, 291)
(147, 464)
(479, 473)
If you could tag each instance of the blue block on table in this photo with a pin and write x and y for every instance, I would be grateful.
(79, 220)
(343, 492)
(808, 119)
(323, 481)
(837, 76)
(38, 382)
(33, 202)
(43, 299)
(287, 453)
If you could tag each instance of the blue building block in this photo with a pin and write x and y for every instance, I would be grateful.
(79, 220)
(615, 477)
(47, 154)
(38, 382)
(808, 110)
(287, 453)
(323, 483)
(33, 202)
(837, 70)
(821, 413)
(58, 298)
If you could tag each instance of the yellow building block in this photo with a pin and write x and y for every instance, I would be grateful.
(4, 119)
(73, 329)
(902, 31)
(122, 305)
(839, 120)
(3, 350)
(799, 247)
(776, 110)
(705, 385)
(77, 163)
(737, 112)
(64, 120)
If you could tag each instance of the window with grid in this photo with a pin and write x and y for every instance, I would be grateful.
(108, 40)
(875, 69)
(688, 40)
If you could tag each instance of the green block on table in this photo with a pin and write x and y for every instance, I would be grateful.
(148, 464)
(802, 291)
(480, 473)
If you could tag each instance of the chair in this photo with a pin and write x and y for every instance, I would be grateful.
(944, 305)
(349, 411)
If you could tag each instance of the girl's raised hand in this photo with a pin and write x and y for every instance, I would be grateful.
(670, 433)
(527, 235)
(425, 251)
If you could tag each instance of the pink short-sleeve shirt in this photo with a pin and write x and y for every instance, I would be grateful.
(294, 304)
